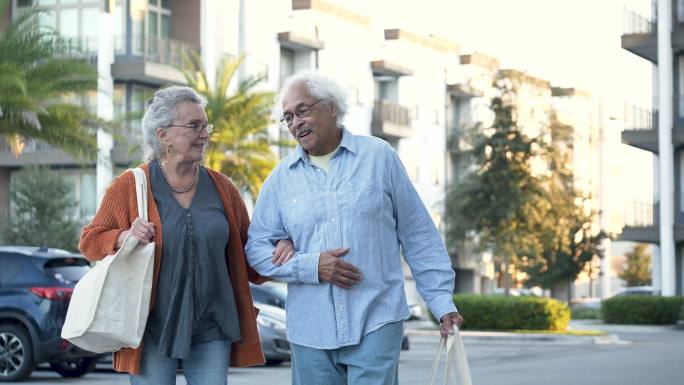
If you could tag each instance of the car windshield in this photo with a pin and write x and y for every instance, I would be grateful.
(67, 270)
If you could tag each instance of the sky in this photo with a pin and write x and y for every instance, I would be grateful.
(572, 43)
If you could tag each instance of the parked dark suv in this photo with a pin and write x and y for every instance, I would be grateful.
(35, 288)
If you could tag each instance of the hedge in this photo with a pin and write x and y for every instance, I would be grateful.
(642, 309)
(497, 312)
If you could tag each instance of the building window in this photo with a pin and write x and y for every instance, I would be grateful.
(151, 29)
(387, 88)
(680, 84)
(287, 67)
(75, 20)
(678, 188)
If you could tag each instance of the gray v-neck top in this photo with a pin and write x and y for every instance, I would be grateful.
(195, 301)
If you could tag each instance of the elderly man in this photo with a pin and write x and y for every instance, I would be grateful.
(351, 211)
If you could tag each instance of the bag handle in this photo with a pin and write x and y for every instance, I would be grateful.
(141, 191)
(436, 361)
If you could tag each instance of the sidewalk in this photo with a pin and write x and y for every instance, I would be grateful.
(495, 337)
(613, 328)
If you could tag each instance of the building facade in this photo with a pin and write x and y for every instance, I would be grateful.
(661, 131)
(418, 92)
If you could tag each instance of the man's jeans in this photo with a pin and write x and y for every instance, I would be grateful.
(207, 364)
(374, 361)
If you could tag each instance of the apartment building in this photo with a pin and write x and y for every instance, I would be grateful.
(417, 92)
(660, 130)
(393, 94)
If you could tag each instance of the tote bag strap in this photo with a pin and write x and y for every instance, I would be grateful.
(436, 361)
(141, 191)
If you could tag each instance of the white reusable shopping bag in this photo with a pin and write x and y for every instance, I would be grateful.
(456, 370)
(110, 304)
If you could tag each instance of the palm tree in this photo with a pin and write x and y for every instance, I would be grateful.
(240, 146)
(38, 82)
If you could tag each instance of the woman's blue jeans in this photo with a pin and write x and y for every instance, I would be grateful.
(207, 364)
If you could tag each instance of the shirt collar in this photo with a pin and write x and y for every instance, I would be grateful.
(348, 142)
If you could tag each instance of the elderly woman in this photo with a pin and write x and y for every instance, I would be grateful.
(201, 314)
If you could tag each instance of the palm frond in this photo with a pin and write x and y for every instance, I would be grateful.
(35, 77)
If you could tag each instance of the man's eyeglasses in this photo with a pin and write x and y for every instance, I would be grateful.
(301, 112)
(197, 126)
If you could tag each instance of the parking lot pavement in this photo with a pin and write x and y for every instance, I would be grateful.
(653, 357)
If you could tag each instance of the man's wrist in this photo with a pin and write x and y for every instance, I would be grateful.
(453, 314)
(306, 267)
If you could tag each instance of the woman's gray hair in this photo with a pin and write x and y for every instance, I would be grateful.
(161, 112)
(320, 87)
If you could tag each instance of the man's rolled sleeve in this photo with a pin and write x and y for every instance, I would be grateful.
(306, 267)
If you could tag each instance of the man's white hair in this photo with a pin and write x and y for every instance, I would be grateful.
(320, 87)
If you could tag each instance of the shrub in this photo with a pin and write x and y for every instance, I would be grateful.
(497, 312)
(642, 309)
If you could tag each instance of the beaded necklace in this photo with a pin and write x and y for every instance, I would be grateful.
(181, 190)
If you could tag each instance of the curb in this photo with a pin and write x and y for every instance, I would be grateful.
(527, 338)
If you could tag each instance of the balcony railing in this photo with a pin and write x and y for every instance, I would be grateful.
(640, 119)
(634, 23)
(641, 214)
(391, 119)
(162, 50)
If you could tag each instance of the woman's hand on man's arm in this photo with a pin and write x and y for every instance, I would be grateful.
(283, 252)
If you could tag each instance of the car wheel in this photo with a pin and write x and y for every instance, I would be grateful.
(16, 354)
(74, 367)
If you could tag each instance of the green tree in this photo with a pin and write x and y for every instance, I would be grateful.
(636, 270)
(38, 81)
(240, 146)
(566, 232)
(499, 203)
(40, 218)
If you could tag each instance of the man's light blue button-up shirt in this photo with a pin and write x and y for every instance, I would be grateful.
(367, 203)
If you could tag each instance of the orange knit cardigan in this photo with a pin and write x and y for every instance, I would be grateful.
(119, 209)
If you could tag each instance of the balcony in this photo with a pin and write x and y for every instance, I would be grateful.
(84, 47)
(153, 60)
(641, 222)
(639, 36)
(641, 128)
(391, 120)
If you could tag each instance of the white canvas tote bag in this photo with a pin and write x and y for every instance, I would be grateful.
(456, 370)
(110, 304)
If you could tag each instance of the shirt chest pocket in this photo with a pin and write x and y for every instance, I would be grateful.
(366, 201)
